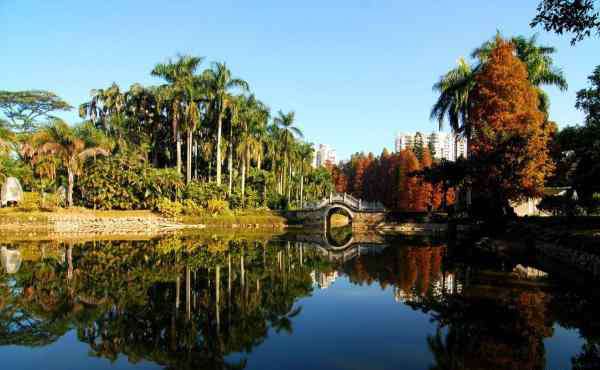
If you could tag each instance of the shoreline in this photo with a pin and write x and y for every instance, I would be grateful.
(142, 223)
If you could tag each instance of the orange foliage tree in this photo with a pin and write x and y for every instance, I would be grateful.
(510, 133)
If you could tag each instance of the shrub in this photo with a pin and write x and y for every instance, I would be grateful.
(277, 201)
(190, 208)
(217, 206)
(30, 201)
(123, 182)
(169, 208)
(49, 202)
(201, 192)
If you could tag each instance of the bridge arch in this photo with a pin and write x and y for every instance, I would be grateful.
(336, 207)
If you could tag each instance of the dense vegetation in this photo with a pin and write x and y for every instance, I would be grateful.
(127, 153)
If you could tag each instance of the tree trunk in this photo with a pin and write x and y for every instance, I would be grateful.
(230, 169)
(69, 262)
(188, 164)
(302, 191)
(219, 131)
(71, 181)
(259, 161)
(178, 150)
(244, 176)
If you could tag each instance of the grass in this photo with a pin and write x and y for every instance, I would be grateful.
(239, 217)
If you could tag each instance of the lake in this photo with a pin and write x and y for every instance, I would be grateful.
(301, 301)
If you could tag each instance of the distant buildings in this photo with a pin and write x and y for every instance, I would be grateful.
(442, 145)
(323, 280)
(323, 155)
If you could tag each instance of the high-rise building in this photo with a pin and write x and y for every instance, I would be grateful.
(442, 145)
(324, 155)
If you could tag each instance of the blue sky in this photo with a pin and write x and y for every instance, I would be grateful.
(355, 72)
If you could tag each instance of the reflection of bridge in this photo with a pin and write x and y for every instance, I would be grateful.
(357, 245)
(362, 214)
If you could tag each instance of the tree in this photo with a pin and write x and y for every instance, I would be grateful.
(286, 123)
(510, 133)
(425, 200)
(418, 145)
(182, 87)
(588, 100)
(68, 145)
(454, 89)
(456, 86)
(537, 59)
(219, 82)
(6, 137)
(574, 16)
(25, 109)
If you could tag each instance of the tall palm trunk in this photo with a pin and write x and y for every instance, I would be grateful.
(178, 150)
(219, 131)
(302, 190)
(188, 164)
(71, 181)
(230, 162)
(259, 161)
(246, 154)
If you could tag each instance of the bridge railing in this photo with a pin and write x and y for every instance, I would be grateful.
(347, 199)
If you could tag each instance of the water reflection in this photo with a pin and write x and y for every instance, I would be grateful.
(208, 302)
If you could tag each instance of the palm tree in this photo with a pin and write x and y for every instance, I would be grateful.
(305, 154)
(181, 81)
(67, 145)
(254, 115)
(219, 82)
(285, 122)
(452, 104)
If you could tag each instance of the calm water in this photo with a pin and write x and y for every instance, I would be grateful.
(225, 302)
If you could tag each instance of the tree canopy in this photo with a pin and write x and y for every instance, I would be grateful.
(27, 109)
(578, 17)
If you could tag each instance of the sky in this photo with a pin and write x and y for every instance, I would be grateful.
(355, 72)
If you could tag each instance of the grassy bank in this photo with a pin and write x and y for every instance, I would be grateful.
(238, 218)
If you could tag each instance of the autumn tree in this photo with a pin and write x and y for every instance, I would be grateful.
(425, 199)
(510, 136)
(407, 185)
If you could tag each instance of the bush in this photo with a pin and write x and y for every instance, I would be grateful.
(49, 202)
(126, 183)
(190, 208)
(169, 208)
(217, 206)
(277, 201)
(30, 202)
(201, 192)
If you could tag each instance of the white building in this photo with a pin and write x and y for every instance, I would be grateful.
(443, 144)
(324, 154)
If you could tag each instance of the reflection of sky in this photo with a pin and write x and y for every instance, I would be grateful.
(562, 346)
(67, 353)
(349, 327)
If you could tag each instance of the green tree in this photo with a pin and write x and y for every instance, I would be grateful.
(67, 144)
(218, 82)
(26, 109)
(574, 16)
(286, 123)
(182, 87)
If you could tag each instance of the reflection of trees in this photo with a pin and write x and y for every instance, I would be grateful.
(414, 271)
(579, 310)
(180, 302)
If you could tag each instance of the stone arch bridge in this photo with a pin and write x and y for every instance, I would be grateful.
(363, 215)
